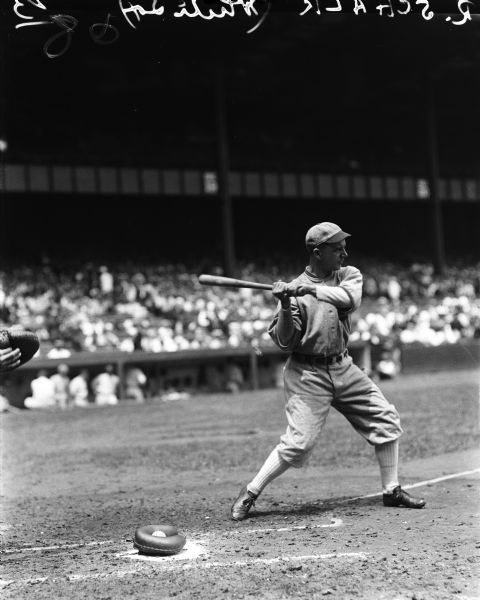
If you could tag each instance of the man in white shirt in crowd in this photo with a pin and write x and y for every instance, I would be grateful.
(61, 382)
(105, 387)
(106, 281)
(135, 382)
(78, 389)
(42, 392)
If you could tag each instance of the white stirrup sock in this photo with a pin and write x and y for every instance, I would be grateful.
(272, 468)
(387, 456)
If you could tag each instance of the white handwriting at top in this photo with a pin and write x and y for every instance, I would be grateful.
(139, 11)
(20, 4)
(227, 9)
(465, 12)
(427, 14)
(309, 7)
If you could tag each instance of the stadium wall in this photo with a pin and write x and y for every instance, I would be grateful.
(421, 359)
(186, 369)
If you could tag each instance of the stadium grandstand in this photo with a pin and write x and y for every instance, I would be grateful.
(138, 152)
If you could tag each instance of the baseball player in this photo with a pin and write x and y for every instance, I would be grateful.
(313, 324)
(61, 381)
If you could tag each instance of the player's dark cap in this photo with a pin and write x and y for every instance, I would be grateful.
(324, 233)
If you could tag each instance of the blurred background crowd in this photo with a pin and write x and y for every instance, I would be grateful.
(163, 308)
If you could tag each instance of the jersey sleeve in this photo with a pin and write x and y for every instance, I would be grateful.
(336, 295)
(347, 295)
(275, 332)
(352, 283)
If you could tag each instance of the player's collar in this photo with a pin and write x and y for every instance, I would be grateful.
(311, 275)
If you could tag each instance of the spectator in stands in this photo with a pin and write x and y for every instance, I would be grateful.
(43, 394)
(78, 389)
(135, 383)
(4, 404)
(162, 308)
(105, 387)
(389, 364)
(59, 350)
(106, 282)
(61, 381)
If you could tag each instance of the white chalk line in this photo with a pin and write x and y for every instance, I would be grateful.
(58, 547)
(4, 583)
(192, 565)
(333, 523)
(277, 559)
(191, 551)
(414, 485)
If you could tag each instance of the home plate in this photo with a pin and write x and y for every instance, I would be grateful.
(190, 551)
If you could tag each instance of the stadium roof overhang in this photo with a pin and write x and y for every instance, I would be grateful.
(292, 82)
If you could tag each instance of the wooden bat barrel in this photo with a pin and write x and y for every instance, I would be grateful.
(231, 282)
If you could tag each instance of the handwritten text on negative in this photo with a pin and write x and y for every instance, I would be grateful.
(35, 13)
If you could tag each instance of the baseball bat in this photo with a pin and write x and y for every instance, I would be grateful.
(231, 282)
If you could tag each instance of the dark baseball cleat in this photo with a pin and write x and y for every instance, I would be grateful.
(242, 504)
(400, 498)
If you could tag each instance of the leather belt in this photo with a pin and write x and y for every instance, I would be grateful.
(316, 359)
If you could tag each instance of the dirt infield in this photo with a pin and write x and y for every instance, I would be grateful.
(77, 483)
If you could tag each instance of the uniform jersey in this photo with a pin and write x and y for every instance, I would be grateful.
(78, 389)
(321, 329)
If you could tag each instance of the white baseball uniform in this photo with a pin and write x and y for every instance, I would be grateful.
(319, 372)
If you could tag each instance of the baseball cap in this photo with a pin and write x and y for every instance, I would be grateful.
(322, 233)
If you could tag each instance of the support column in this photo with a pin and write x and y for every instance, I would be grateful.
(433, 181)
(223, 162)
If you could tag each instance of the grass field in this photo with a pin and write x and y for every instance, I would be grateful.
(76, 485)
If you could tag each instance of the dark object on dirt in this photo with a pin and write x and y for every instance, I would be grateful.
(159, 540)
(26, 341)
(400, 498)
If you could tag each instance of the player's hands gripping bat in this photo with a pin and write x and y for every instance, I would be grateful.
(279, 288)
(302, 289)
(283, 291)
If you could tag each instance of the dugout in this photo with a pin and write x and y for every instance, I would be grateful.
(185, 371)
(182, 371)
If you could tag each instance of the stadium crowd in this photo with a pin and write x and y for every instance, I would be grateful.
(158, 308)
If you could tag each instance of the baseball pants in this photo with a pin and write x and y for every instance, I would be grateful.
(310, 390)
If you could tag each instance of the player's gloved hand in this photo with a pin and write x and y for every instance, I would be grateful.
(280, 291)
(9, 359)
(301, 289)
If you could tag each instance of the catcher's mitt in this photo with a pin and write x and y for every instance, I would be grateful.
(26, 341)
(159, 540)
